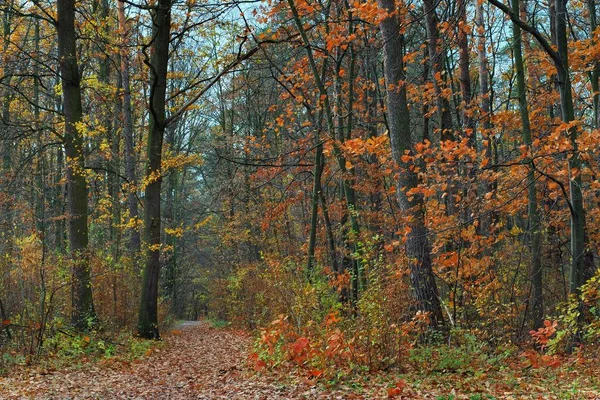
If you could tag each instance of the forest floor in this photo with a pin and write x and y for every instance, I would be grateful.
(198, 361)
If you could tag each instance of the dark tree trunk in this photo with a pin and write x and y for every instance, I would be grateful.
(130, 169)
(561, 62)
(465, 77)
(418, 248)
(84, 314)
(329, 233)
(488, 218)
(7, 211)
(537, 305)
(568, 115)
(317, 172)
(148, 315)
(437, 55)
(595, 74)
(171, 221)
(59, 205)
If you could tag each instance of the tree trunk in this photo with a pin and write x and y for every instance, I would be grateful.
(465, 76)
(84, 314)
(171, 221)
(329, 234)
(485, 111)
(317, 171)
(595, 74)
(59, 205)
(533, 215)
(418, 248)
(483, 70)
(568, 115)
(130, 169)
(436, 60)
(148, 315)
(331, 128)
(6, 246)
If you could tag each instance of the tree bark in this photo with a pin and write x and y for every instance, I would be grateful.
(436, 60)
(595, 74)
(130, 169)
(568, 115)
(418, 248)
(317, 172)
(331, 128)
(561, 62)
(329, 234)
(485, 110)
(465, 76)
(533, 215)
(6, 245)
(148, 315)
(84, 314)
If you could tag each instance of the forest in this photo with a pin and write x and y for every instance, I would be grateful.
(300, 199)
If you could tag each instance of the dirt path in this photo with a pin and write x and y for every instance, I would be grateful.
(197, 362)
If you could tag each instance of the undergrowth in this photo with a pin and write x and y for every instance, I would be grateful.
(71, 349)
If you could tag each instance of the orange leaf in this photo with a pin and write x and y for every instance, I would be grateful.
(398, 389)
(401, 384)
(259, 365)
(300, 344)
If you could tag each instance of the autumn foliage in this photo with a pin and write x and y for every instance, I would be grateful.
(366, 185)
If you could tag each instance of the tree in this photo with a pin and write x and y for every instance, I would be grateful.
(418, 248)
(560, 59)
(437, 57)
(158, 66)
(83, 305)
(537, 304)
(130, 168)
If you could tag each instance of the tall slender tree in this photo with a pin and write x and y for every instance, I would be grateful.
(158, 66)
(418, 247)
(533, 214)
(83, 305)
(595, 74)
(437, 58)
(130, 165)
(560, 58)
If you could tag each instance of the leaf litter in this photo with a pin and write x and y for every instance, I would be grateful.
(198, 361)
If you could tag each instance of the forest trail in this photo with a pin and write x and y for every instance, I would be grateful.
(196, 361)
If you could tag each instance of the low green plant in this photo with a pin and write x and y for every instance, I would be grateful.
(69, 346)
(464, 355)
(481, 397)
(139, 347)
(10, 359)
(218, 323)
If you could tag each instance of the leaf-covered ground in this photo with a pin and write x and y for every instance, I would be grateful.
(197, 361)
